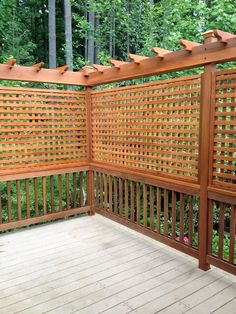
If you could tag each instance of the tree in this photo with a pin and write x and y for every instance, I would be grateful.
(52, 34)
(68, 34)
(91, 43)
(15, 33)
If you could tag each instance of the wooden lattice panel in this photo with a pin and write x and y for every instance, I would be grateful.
(41, 128)
(150, 126)
(224, 154)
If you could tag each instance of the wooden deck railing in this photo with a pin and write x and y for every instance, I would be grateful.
(164, 214)
(36, 199)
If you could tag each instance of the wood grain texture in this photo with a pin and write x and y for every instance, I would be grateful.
(153, 111)
(41, 128)
(224, 164)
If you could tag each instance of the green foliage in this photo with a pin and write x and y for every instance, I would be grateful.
(23, 204)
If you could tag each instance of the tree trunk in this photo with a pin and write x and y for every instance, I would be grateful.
(112, 35)
(52, 34)
(151, 15)
(68, 34)
(128, 29)
(86, 36)
(91, 45)
(97, 43)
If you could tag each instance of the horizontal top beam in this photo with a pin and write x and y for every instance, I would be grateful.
(214, 52)
(50, 76)
(201, 55)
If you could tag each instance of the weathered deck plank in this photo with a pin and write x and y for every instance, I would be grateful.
(93, 265)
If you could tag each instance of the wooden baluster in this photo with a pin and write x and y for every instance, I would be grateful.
(173, 211)
(0, 207)
(115, 195)
(90, 192)
(181, 218)
(9, 201)
(101, 191)
(44, 195)
(36, 197)
(132, 200)
(74, 191)
(67, 191)
(60, 191)
(144, 205)
(221, 230)
(52, 193)
(232, 234)
(151, 207)
(81, 179)
(18, 199)
(105, 190)
(158, 210)
(138, 202)
(190, 220)
(27, 198)
(110, 193)
(210, 227)
(166, 216)
(96, 189)
(121, 196)
(126, 199)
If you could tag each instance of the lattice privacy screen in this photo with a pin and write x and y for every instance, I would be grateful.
(41, 127)
(224, 154)
(151, 126)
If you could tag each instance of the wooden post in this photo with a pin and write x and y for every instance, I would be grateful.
(206, 124)
(90, 188)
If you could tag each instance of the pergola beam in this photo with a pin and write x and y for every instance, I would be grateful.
(136, 58)
(10, 63)
(117, 63)
(223, 36)
(39, 66)
(160, 52)
(188, 45)
(222, 50)
(63, 69)
(50, 76)
(101, 68)
(86, 70)
(201, 55)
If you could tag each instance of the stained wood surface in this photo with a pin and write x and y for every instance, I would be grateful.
(174, 61)
(152, 127)
(94, 265)
(224, 166)
(41, 128)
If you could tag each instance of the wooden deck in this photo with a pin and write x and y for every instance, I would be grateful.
(93, 265)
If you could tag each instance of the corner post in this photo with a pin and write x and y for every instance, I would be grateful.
(205, 163)
(90, 188)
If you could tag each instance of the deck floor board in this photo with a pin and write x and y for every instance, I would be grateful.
(94, 265)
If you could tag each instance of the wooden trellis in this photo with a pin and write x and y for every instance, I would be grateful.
(150, 154)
